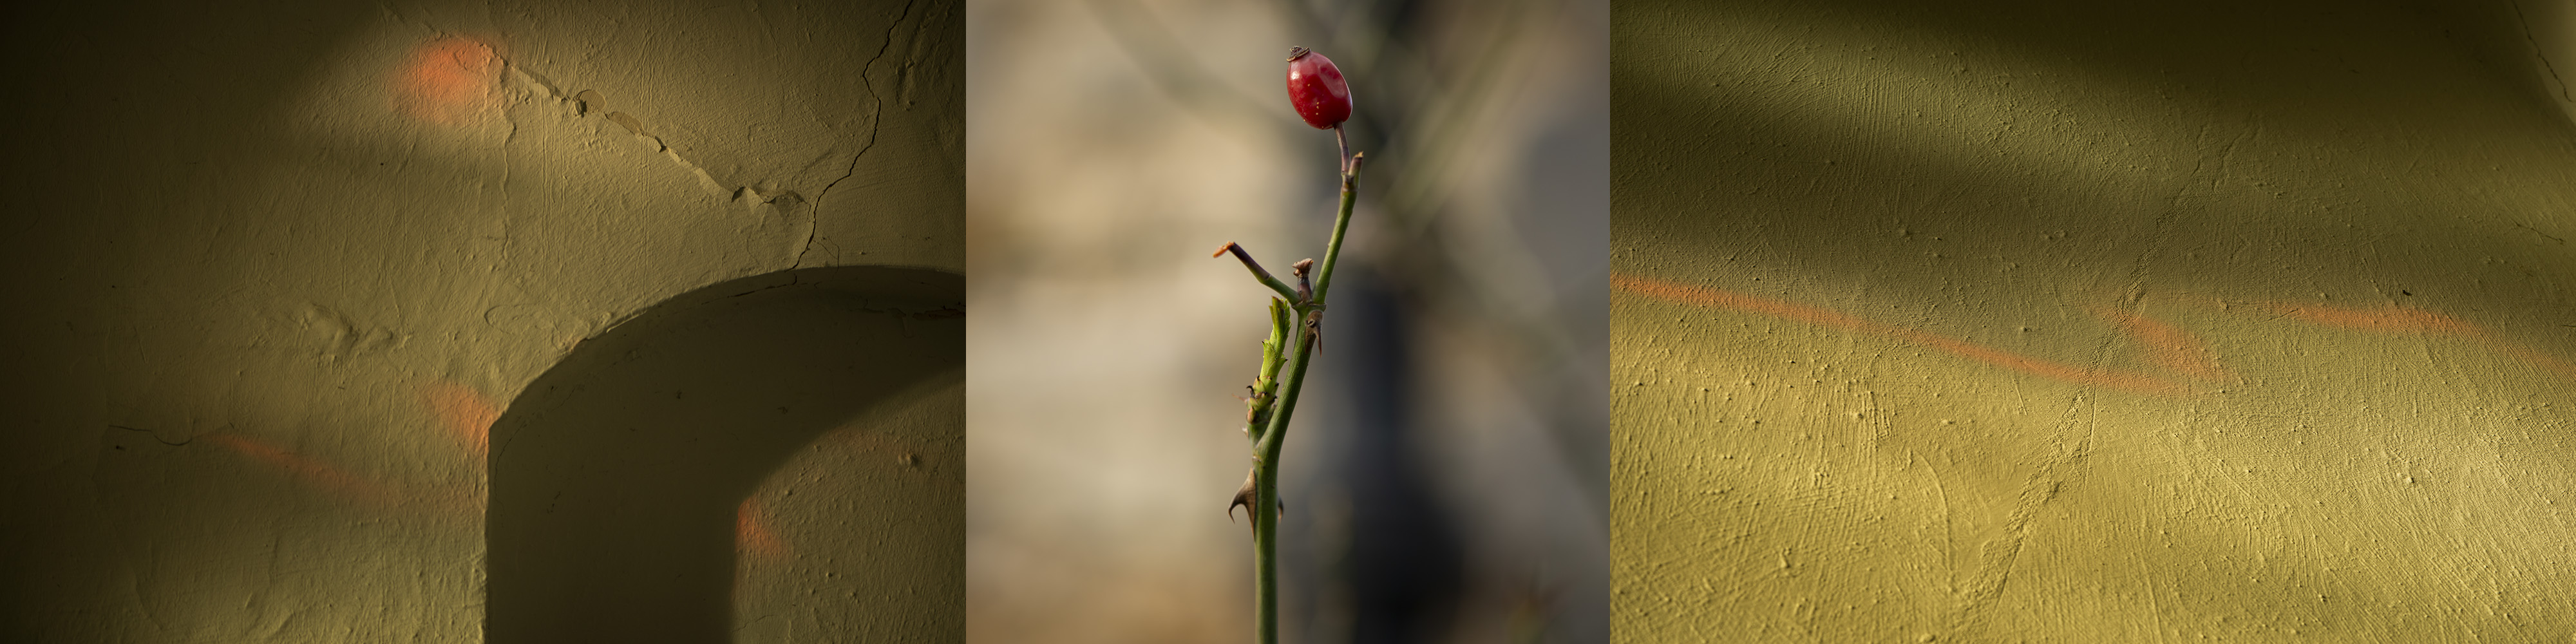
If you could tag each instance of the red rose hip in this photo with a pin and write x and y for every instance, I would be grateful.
(1315, 86)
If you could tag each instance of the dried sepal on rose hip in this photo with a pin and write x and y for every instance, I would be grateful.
(1315, 86)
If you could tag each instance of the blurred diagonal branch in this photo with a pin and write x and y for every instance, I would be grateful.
(1175, 70)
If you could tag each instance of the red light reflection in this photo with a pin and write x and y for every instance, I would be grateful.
(2166, 346)
(451, 81)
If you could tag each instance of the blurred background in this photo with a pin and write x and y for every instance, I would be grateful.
(1445, 477)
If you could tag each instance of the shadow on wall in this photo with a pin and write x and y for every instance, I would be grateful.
(619, 478)
(2059, 322)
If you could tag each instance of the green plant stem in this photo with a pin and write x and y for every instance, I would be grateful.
(1258, 273)
(1265, 388)
(1341, 224)
(1266, 445)
(1265, 486)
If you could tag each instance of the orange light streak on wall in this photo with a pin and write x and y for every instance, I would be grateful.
(2397, 319)
(2167, 346)
(310, 471)
(467, 415)
(752, 533)
(451, 81)
(1721, 298)
(2555, 364)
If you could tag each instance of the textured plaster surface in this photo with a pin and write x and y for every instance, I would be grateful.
(698, 471)
(2033, 321)
(276, 268)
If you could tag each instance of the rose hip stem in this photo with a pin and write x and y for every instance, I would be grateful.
(1316, 89)
(1320, 95)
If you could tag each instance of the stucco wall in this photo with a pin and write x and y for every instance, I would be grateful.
(276, 268)
(2039, 321)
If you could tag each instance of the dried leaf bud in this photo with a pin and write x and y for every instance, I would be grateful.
(1315, 87)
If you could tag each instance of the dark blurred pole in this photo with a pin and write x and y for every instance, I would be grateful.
(1401, 570)
(1399, 573)
(1380, 554)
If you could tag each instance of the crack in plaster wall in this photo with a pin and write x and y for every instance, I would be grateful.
(1992, 322)
(263, 373)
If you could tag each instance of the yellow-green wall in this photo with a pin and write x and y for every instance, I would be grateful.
(2091, 322)
(274, 268)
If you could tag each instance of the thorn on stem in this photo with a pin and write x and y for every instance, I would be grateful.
(1240, 501)
(1245, 497)
(1315, 330)
(1248, 496)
